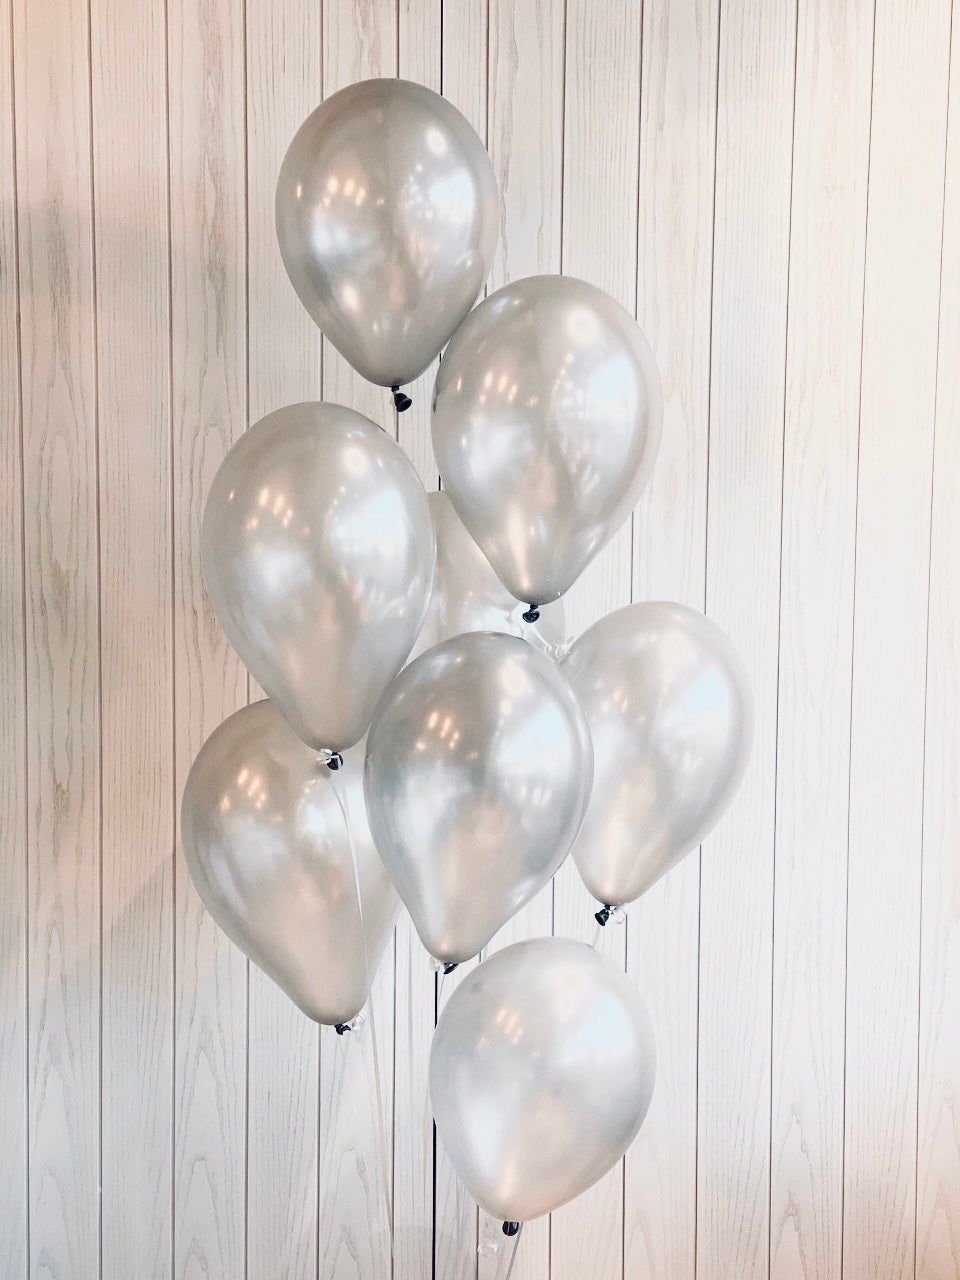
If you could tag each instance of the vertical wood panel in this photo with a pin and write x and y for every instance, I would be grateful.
(419, 58)
(208, 359)
(132, 327)
(831, 144)
(283, 87)
(751, 229)
(677, 146)
(13, 710)
(599, 244)
(358, 42)
(458, 1250)
(60, 525)
(938, 1148)
(901, 293)
(524, 118)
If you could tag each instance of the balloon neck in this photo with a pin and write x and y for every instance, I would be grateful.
(604, 914)
(332, 759)
(511, 1228)
(401, 402)
(532, 614)
(450, 966)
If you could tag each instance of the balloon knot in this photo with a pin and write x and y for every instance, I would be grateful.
(334, 761)
(511, 1228)
(532, 614)
(401, 401)
(342, 1027)
(603, 916)
(450, 966)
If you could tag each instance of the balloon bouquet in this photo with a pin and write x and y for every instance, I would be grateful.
(461, 780)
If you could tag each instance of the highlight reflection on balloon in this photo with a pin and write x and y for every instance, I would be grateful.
(387, 217)
(477, 777)
(267, 849)
(541, 1072)
(318, 557)
(468, 595)
(670, 711)
(546, 424)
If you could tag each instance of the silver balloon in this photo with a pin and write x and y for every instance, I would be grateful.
(318, 556)
(268, 851)
(477, 777)
(541, 1072)
(546, 424)
(387, 216)
(468, 595)
(670, 712)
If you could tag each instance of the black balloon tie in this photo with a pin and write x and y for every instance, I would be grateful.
(342, 1028)
(603, 916)
(334, 761)
(532, 614)
(401, 401)
(511, 1228)
(449, 967)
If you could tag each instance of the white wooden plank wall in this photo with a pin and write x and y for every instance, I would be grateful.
(773, 186)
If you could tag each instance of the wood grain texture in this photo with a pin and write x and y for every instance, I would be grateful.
(208, 361)
(283, 53)
(55, 208)
(136, 639)
(900, 310)
(419, 58)
(937, 1250)
(524, 131)
(674, 277)
(13, 709)
(355, 1240)
(751, 231)
(828, 221)
(601, 123)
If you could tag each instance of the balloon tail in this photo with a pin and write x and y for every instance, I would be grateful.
(334, 761)
(557, 651)
(401, 401)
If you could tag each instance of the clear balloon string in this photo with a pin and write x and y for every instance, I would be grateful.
(495, 1242)
(340, 793)
(509, 1256)
(557, 650)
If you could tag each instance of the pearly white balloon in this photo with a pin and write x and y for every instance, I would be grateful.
(547, 415)
(671, 717)
(318, 557)
(268, 851)
(477, 778)
(541, 1072)
(387, 217)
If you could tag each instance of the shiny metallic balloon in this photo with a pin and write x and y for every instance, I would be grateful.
(541, 1072)
(468, 595)
(318, 556)
(671, 717)
(477, 777)
(546, 424)
(387, 216)
(268, 851)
